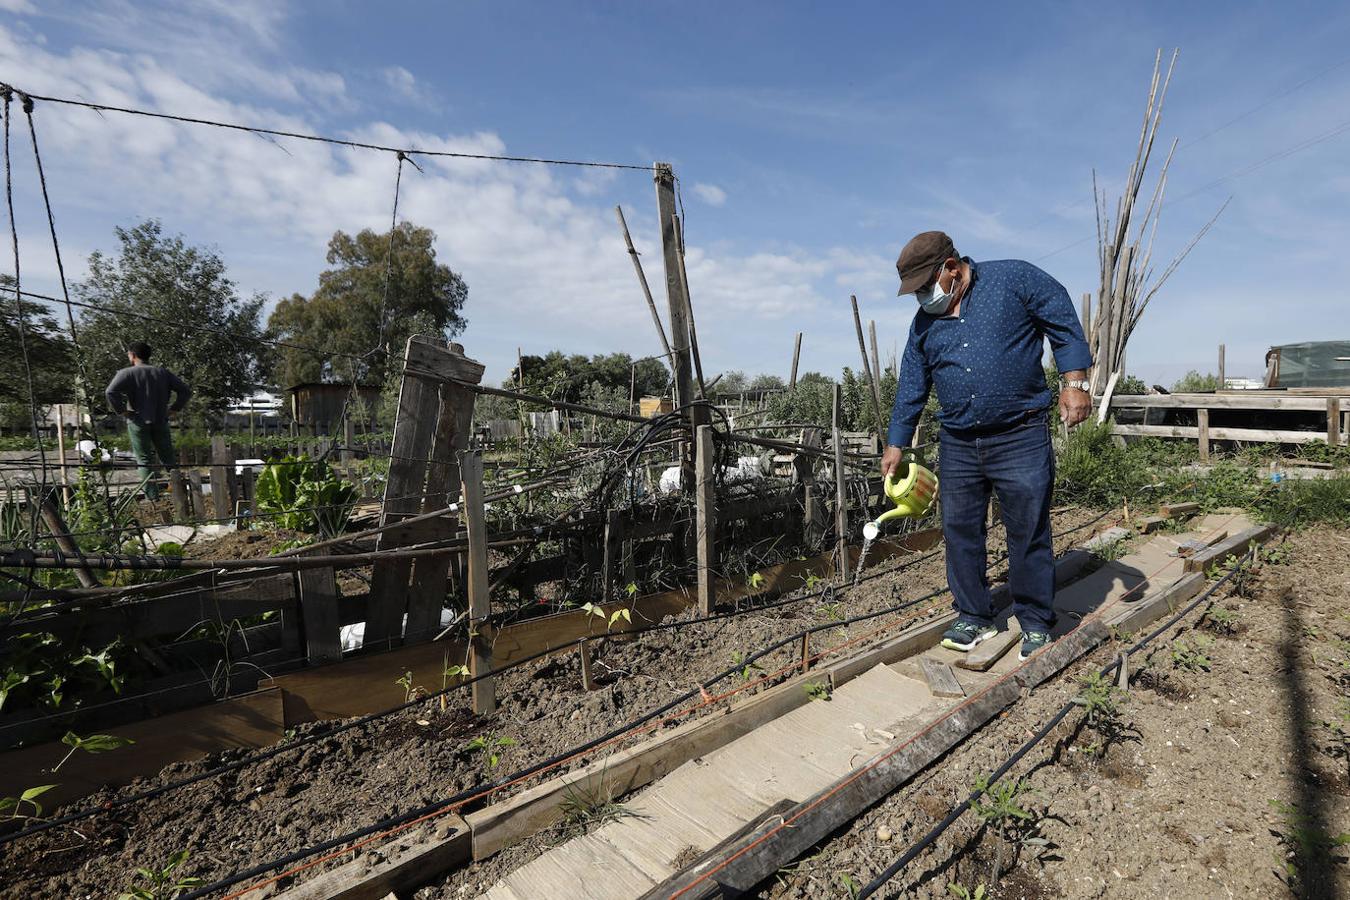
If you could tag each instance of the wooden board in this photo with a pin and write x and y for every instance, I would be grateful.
(940, 677)
(319, 615)
(1173, 510)
(991, 651)
(248, 721)
(402, 865)
(1235, 545)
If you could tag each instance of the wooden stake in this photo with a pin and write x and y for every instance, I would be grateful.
(1123, 672)
(806, 652)
(197, 495)
(867, 369)
(584, 651)
(222, 477)
(613, 551)
(646, 290)
(1202, 419)
(178, 493)
(840, 494)
(679, 318)
(61, 452)
(706, 534)
(57, 526)
(796, 355)
(1334, 421)
(689, 309)
(480, 653)
(876, 365)
(1223, 380)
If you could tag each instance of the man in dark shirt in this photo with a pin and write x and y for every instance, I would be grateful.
(140, 393)
(977, 339)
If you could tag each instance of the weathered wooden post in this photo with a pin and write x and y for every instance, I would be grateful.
(480, 651)
(64, 541)
(796, 355)
(178, 493)
(1223, 379)
(682, 357)
(1334, 421)
(813, 511)
(840, 491)
(612, 560)
(222, 477)
(873, 381)
(706, 535)
(1202, 419)
(319, 620)
(197, 495)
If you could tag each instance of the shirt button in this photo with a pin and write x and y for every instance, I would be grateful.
(965, 345)
(972, 396)
(967, 370)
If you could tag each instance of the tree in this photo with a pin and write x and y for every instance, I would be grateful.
(49, 355)
(570, 378)
(411, 293)
(1195, 383)
(178, 299)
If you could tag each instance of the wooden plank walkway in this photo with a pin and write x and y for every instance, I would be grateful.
(796, 756)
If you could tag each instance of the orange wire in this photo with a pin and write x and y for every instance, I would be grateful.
(653, 725)
(786, 822)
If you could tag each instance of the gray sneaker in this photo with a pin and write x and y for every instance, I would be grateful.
(965, 634)
(1032, 641)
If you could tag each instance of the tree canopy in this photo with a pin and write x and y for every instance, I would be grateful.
(49, 355)
(179, 300)
(571, 378)
(342, 319)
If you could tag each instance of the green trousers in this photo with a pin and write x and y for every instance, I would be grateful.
(147, 442)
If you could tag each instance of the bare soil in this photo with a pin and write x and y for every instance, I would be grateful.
(1224, 779)
(402, 761)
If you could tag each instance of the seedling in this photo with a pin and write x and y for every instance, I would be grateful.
(1184, 656)
(1222, 620)
(817, 690)
(489, 748)
(29, 797)
(738, 659)
(447, 673)
(1003, 811)
(410, 690)
(1304, 842)
(631, 589)
(850, 885)
(831, 612)
(160, 884)
(625, 614)
(1099, 698)
(755, 582)
(1111, 550)
(812, 579)
(965, 893)
(94, 743)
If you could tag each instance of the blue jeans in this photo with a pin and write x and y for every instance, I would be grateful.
(1018, 465)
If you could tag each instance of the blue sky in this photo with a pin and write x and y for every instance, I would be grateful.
(811, 141)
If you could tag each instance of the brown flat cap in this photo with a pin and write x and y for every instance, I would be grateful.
(921, 257)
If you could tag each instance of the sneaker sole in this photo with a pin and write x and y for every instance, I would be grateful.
(966, 648)
(1023, 657)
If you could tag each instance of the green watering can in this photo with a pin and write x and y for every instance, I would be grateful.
(913, 494)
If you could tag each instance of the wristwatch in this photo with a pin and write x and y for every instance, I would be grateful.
(1078, 384)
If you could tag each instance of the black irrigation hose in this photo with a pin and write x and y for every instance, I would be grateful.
(928, 839)
(371, 717)
(439, 806)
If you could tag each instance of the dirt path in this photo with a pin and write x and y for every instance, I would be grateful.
(1227, 775)
(347, 781)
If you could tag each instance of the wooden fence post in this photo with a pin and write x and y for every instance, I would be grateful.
(1202, 419)
(197, 495)
(612, 561)
(480, 607)
(840, 492)
(706, 535)
(1334, 421)
(813, 512)
(178, 493)
(57, 526)
(681, 352)
(1223, 380)
(222, 477)
(796, 355)
(319, 614)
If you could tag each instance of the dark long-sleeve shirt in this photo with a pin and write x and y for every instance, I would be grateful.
(145, 391)
(985, 363)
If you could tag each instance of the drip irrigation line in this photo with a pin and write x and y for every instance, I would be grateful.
(436, 808)
(341, 142)
(956, 812)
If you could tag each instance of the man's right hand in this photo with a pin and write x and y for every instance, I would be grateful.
(892, 460)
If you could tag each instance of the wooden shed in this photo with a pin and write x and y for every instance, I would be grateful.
(319, 404)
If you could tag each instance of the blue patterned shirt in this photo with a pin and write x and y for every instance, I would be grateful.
(986, 362)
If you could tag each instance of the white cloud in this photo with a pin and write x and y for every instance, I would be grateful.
(710, 194)
(18, 7)
(538, 246)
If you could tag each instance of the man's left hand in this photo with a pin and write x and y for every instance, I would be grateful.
(1074, 406)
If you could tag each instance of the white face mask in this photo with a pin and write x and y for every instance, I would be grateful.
(934, 300)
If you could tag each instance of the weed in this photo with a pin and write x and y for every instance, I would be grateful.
(1221, 620)
(817, 690)
(489, 748)
(755, 582)
(1099, 698)
(160, 884)
(812, 579)
(406, 682)
(1111, 550)
(1303, 841)
(738, 659)
(584, 810)
(849, 884)
(831, 612)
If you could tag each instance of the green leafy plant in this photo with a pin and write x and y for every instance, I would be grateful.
(14, 805)
(849, 884)
(162, 883)
(1221, 620)
(755, 581)
(409, 689)
(812, 579)
(447, 672)
(489, 747)
(304, 494)
(965, 893)
(738, 659)
(94, 743)
(817, 690)
(1190, 658)
(1000, 807)
(1302, 840)
(1098, 697)
(585, 810)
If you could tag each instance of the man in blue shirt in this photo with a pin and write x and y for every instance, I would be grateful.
(977, 339)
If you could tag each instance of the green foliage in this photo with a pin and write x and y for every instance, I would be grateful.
(849, 884)
(963, 893)
(1303, 841)
(585, 810)
(162, 883)
(343, 314)
(601, 380)
(1000, 802)
(1190, 657)
(489, 747)
(94, 743)
(817, 690)
(304, 494)
(14, 805)
(49, 354)
(1195, 383)
(156, 275)
(1098, 697)
(1131, 386)
(746, 669)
